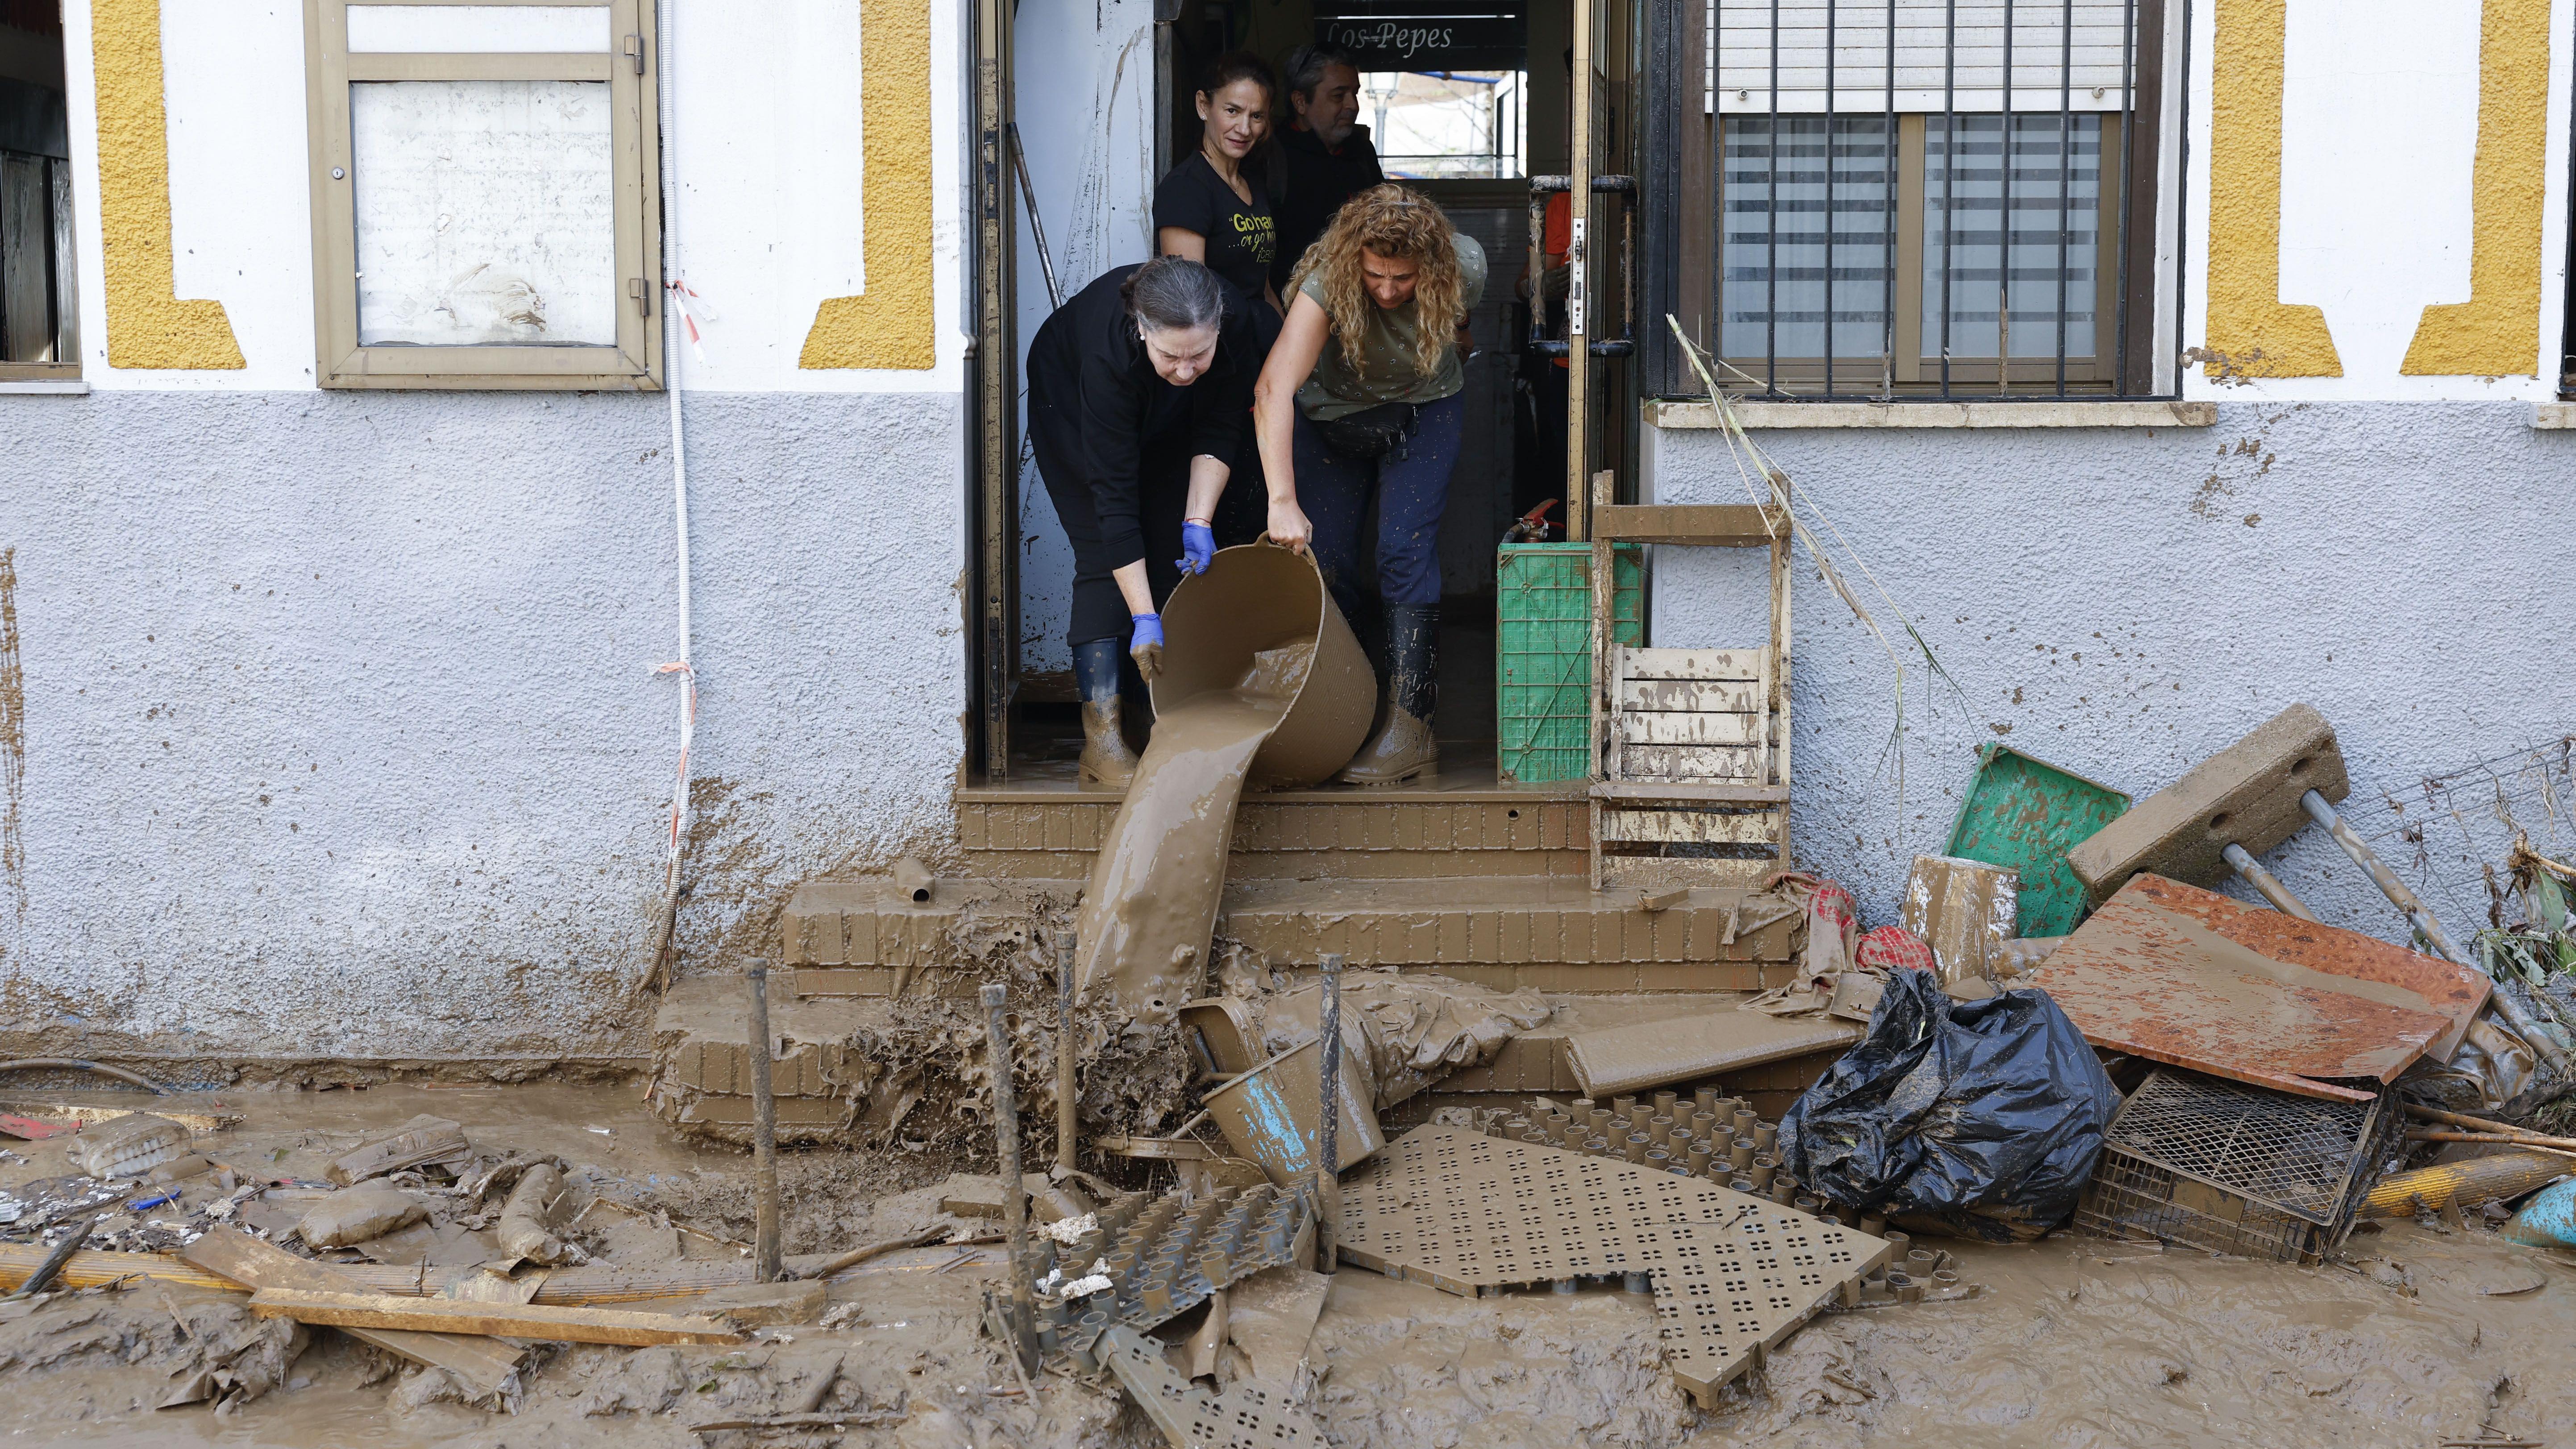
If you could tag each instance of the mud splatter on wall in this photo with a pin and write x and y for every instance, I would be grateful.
(13, 758)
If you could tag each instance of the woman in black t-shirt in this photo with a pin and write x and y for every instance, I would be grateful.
(1215, 207)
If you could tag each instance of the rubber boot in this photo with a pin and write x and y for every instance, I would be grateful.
(1106, 759)
(1404, 746)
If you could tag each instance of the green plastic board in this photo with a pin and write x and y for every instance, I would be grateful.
(1543, 653)
(2025, 814)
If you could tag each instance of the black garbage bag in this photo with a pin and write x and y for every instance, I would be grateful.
(1980, 1118)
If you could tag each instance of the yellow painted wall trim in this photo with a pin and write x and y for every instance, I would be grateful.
(2497, 331)
(148, 323)
(2254, 332)
(892, 324)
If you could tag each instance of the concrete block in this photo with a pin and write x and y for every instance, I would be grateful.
(2247, 794)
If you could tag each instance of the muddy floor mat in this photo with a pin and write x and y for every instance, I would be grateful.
(1248, 1415)
(1732, 1275)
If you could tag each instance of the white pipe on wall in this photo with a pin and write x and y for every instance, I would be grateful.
(674, 320)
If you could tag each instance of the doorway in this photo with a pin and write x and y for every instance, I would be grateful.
(1464, 103)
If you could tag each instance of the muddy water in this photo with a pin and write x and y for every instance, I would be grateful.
(1151, 905)
(2076, 1342)
(2424, 1336)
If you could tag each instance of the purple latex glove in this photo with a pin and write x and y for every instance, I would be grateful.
(1198, 547)
(1145, 646)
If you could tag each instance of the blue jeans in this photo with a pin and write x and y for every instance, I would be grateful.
(1411, 484)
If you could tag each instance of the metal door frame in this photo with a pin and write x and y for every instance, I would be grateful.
(994, 446)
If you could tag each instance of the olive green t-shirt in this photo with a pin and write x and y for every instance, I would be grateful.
(1387, 372)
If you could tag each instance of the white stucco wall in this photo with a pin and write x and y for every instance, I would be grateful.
(341, 732)
(771, 188)
(2125, 602)
(2379, 129)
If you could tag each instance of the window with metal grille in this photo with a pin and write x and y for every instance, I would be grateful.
(39, 305)
(1846, 200)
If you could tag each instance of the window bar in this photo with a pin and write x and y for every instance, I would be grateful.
(2004, 234)
(1887, 231)
(1717, 192)
(1830, 8)
(1949, 166)
(2066, 188)
(2128, 140)
(1771, 229)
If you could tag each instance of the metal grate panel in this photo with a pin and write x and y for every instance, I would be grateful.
(2233, 1168)
(1167, 1259)
(1248, 1415)
(1733, 1275)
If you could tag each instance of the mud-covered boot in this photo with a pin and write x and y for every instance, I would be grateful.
(1404, 746)
(1106, 758)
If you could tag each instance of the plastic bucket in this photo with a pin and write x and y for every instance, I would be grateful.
(1272, 1114)
(1259, 596)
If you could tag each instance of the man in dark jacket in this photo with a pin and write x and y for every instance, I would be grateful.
(1327, 151)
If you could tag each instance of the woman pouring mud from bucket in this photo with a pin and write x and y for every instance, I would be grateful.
(1138, 389)
(1360, 397)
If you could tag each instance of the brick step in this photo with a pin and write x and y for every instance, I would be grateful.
(866, 939)
(702, 1078)
(702, 1057)
(1043, 834)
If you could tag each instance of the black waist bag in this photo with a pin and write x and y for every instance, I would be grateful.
(1371, 434)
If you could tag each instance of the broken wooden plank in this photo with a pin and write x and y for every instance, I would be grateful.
(485, 1365)
(1696, 827)
(1725, 696)
(1690, 762)
(1710, 792)
(1612, 1060)
(1658, 727)
(422, 1139)
(514, 1320)
(89, 1269)
(1702, 664)
(1705, 525)
(748, 1305)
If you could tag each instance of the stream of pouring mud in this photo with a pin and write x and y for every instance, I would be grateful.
(1151, 905)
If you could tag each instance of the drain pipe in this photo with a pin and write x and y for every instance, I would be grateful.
(674, 318)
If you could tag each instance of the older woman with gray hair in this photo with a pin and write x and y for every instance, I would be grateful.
(1140, 388)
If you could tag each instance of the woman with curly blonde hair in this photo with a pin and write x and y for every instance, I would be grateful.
(1359, 400)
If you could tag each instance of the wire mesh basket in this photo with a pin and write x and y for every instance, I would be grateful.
(2220, 1165)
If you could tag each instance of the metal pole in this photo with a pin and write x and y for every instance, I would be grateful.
(1578, 285)
(1015, 1203)
(2538, 1033)
(1065, 1040)
(2244, 864)
(2003, 233)
(1829, 200)
(1037, 227)
(1771, 227)
(2381, 876)
(1328, 1159)
(764, 1136)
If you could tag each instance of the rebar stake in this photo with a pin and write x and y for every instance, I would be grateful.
(1328, 1181)
(1015, 1207)
(766, 1267)
(1065, 1038)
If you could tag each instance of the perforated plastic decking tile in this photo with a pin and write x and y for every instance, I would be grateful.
(1732, 1274)
(1248, 1415)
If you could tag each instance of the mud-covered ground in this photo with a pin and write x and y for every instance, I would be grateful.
(2421, 1335)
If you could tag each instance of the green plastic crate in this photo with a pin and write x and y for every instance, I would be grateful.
(1543, 653)
(2026, 814)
